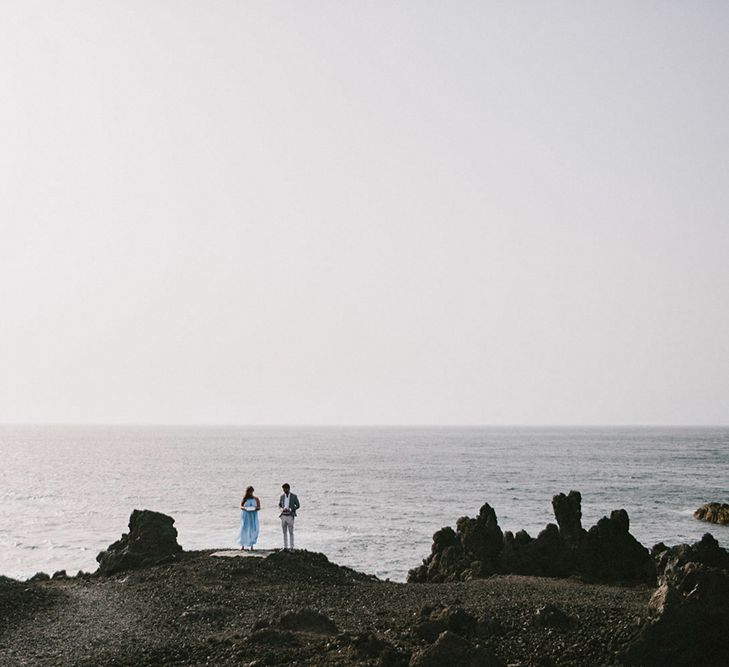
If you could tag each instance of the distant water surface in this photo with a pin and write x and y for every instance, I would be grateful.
(371, 497)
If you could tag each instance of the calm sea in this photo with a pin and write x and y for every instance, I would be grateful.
(371, 498)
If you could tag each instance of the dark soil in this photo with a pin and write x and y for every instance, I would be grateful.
(203, 610)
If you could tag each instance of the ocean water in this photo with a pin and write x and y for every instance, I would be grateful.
(371, 498)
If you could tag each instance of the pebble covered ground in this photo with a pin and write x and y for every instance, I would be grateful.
(202, 610)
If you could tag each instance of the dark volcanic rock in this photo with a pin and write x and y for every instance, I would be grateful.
(481, 539)
(308, 620)
(545, 556)
(274, 637)
(446, 562)
(568, 512)
(203, 610)
(209, 614)
(610, 553)
(689, 612)
(436, 621)
(455, 651)
(713, 512)
(152, 539)
(368, 646)
(706, 552)
(607, 553)
(392, 657)
(487, 626)
(551, 616)
(19, 600)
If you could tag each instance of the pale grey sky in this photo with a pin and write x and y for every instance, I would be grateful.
(373, 212)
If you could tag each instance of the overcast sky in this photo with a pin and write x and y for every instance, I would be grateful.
(364, 212)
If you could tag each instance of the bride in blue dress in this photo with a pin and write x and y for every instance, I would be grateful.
(249, 508)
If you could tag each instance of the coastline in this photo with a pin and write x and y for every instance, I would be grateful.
(151, 603)
(658, 475)
(203, 610)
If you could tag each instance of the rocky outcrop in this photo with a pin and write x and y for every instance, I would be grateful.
(705, 552)
(152, 539)
(568, 512)
(435, 620)
(714, 513)
(477, 548)
(689, 612)
(609, 553)
(308, 620)
(473, 548)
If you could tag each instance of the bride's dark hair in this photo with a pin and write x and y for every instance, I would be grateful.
(249, 493)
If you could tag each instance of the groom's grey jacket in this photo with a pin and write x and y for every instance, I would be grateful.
(293, 502)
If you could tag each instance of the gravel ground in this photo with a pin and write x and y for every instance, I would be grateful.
(213, 611)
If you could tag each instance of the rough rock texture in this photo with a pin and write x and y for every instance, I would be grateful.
(610, 553)
(473, 549)
(308, 620)
(20, 603)
(689, 612)
(368, 646)
(568, 512)
(551, 616)
(706, 552)
(152, 539)
(435, 621)
(713, 512)
(482, 539)
(226, 612)
(299, 608)
(477, 548)
(453, 650)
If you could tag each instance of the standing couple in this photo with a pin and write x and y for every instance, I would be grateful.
(250, 505)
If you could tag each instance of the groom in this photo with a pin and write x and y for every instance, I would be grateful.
(288, 503)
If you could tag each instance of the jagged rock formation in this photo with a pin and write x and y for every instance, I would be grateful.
(713, 512)
(705, 552)
(152, 539)
(689, 612)
(478, 548)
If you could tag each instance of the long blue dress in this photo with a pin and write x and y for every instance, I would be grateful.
(248, 525)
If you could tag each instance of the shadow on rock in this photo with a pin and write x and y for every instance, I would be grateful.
(689, 612)
(308, 620)
(368, 646)
(436, 620)
(455, 651)
(607, 553)
(551, 616)
(151, 540)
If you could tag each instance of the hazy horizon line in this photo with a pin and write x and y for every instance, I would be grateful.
(365, 425)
